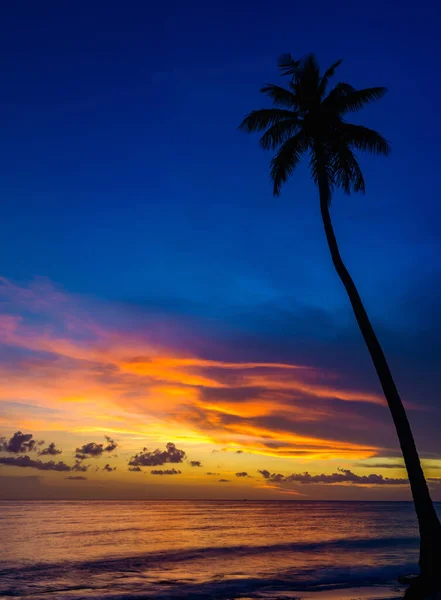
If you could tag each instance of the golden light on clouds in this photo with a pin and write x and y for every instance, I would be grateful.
(78, 368)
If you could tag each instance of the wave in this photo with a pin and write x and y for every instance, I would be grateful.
(208, 552)
(268, 588)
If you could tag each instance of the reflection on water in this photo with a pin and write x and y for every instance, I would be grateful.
(216, 549)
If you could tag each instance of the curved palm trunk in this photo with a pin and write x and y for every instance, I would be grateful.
(429, 524)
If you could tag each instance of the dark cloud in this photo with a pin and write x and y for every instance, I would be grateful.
(76, 478)
(381, 466)
(395, 465)
(210, 473)
(78, 466)
(51, 450)
(242, 474)
(111, 444)
(158, 457)
(224, 480)
(108, 468)
(135, 469)
(239, 451)
(165, 472)
(20, 443)
(27, 461)
(265, 474)
(342, 476)
(195, 463)
(94, 450)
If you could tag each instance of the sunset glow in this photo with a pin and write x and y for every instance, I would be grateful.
(82, 370)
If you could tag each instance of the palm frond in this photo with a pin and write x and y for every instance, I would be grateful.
(365, 139)
(261, 119)
(327, 76)
(355, 100)
(305, 85)
(322, 168)
(339, 92)
(309, 64)
(279, 133)
(279, 95)
(287, 65)
(346, 170)
(286, 160)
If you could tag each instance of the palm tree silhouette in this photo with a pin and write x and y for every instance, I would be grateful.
(308, 121)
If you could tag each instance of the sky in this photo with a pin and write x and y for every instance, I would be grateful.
(153, 292)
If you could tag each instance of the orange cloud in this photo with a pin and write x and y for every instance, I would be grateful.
(83, 371)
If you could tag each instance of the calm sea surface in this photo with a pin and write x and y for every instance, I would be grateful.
(91, 550)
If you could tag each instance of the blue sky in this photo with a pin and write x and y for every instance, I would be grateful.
(124, 178)
(124, 175)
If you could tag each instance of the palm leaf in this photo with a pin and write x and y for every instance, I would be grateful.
(287, 159)
(279, 95)
(346, 170)
(319, 169)
(365, 139)
(338, 93)
(259, 120)
(327, 76)
(305, 85)
(355, 100)
(279, 133)
(309, 64)
(287, 65)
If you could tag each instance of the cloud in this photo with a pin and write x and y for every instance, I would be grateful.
(19, 443)
(94, 450)
(195, 463)
(76, 478)
(239, 451)
(399, 465)
(158, 457)
(210, 473)
(108, 468)
(242, 474)
(69, 357)
(111, 444)
(265, 474)
(223, 480)
(28, 462)
(79, 466)
(341, 477)
(84, 356)
(135, 469)
(165, 472)
(51, 450)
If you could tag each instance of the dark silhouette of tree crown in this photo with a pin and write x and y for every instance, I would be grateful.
(306, 117)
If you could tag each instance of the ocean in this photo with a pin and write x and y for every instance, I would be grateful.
(201, 549)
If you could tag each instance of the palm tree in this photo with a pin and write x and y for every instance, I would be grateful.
(307, 120)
